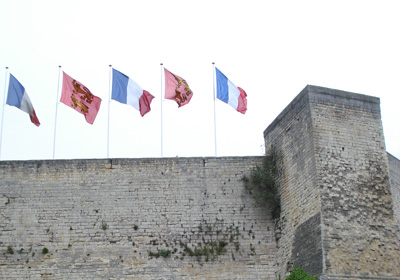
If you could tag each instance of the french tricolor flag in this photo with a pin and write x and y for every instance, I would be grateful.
(229, 93)
(127, 91)
(18, 97)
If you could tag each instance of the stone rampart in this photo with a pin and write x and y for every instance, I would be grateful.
(336, 191)
(291, 136)
(191, 218)
(111, 219)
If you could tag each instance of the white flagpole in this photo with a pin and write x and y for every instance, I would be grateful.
(109, 106)
(215, 121)
(4, 106)
(55, 122)
(161, 109)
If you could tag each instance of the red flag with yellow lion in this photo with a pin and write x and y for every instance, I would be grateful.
(79, 97)
(176, 88)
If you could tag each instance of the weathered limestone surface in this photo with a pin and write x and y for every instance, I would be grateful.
(335, 168)
(99, 219)
(358, 233)
(394, 168)
(291, 135)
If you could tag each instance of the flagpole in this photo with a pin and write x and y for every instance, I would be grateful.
(215, 121)
(109, 106)
(55, 123)
(4, 106)
(161, 109)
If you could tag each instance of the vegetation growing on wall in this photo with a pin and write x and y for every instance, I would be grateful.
(10, 250)
(262, 183)
(299, 273)
(104, 225)
(214, 240)
(209, 250)
(160, 253)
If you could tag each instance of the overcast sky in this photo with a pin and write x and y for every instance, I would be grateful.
(271, 49)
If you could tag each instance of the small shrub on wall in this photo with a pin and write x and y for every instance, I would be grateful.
(262, 183)
(299, 273)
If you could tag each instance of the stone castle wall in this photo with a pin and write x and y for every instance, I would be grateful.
(358, 233)
(101, 219)
(337, 174)
(291, 136)
(191, 218)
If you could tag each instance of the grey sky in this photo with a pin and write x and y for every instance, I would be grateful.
(271, 49)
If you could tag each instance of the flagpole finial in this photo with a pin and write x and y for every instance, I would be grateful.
(161, 63)
(213, 63)
(59, 66)
(6, 67)
(110, 65)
